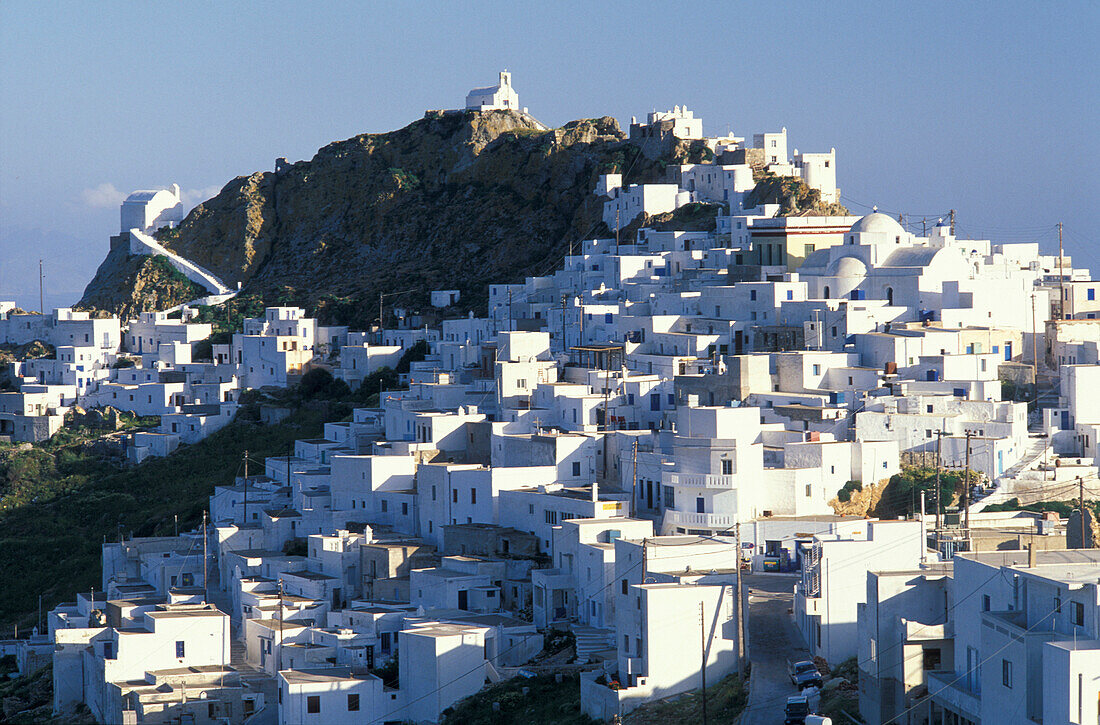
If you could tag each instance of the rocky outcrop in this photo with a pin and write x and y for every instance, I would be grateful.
(127, 284)
(452, 201)
(792, 195)
(862, 502)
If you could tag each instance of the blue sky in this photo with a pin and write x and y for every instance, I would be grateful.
(988, 108)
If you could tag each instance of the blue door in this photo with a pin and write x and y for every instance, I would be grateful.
(1000, 462)
(1008, 351)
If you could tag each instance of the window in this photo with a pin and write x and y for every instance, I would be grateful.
(313, 704)
(433, 493)
(985, 603)
(727, 467)
(576, 468)
(454, 495)
(179, 649)
(353, 703)
(385, 505)
(671, 398)
(473, 495)
(1006, 674)
(752, 295)
(1079, 614)
(624, 586)
(817, 369)
(404, 508)
(521, 383)
(1091, 294)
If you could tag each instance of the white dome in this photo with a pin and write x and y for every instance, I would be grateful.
(847, 267)
(878, 223)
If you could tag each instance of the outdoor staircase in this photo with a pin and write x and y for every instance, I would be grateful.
(593, 643)
(1036, 446)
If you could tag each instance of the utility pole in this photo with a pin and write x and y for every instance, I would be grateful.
(952, 222)
(379, 318)
(966, 487)
(205, 578)
(923, 528)
(606, 416)
(939, 463)
(924, 227)
(703, 664)
(564, 344)
(740, 602)
(634, 476)
(246, 487)
(1061, 278)
(279, 652)
(1034, 349)
(42, 285)
(1081, 500)
(509, 309)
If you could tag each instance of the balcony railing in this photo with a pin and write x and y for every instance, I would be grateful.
(699, 480)
(699, 521)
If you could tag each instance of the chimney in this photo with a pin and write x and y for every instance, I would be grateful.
(595, 491)
(1032, 556)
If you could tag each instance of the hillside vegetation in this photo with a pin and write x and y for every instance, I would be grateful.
(61, 501)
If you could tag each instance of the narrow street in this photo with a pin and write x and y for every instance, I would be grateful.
(772, 638)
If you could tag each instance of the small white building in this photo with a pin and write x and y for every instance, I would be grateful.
(148, 211)
(494, 98)
(834, 581)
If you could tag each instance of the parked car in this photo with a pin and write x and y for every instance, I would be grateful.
(796, 711)
(803, 674)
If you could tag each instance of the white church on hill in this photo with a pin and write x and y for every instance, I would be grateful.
(494, 98)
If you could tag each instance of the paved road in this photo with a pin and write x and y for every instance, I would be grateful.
(772, 638)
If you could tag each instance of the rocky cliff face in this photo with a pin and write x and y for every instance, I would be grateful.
(126, 284)
(452, 201)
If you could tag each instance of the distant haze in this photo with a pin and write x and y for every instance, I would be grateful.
(990, 109)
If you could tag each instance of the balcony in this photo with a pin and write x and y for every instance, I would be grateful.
(699, 480)
(916, 632)
(686, 519)
(951, 690)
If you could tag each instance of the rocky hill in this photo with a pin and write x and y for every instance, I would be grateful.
(455, 200)
(452, 201)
